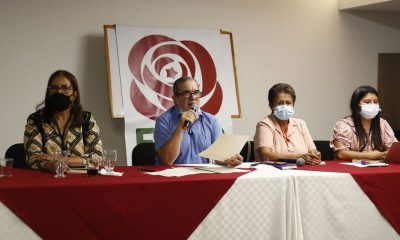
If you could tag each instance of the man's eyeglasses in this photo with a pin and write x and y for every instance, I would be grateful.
(64, 89)
(187, 94)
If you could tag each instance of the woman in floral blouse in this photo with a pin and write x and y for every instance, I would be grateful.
(363, 134)
(60, 124)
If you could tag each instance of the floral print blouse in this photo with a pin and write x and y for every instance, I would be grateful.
(345, 132)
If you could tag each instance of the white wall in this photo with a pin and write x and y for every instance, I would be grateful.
(323, 53)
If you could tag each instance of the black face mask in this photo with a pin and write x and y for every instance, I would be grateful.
(59, 102)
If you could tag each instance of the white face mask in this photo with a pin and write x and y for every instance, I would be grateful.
(283, 112)
(369, 111)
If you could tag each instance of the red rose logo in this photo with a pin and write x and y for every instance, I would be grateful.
(156, 61)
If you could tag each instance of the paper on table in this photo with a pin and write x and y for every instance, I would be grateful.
(184, 171)
(221, 169)
(176, 172)
(105, 173)
(366, 165)
(225, 147)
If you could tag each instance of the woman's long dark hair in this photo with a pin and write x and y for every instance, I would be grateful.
(76, 119)
(375, 129)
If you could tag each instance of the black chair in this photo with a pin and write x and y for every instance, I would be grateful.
(397, 134)
(247, 152)
(144, 154)
(17, 152)
(326, 152)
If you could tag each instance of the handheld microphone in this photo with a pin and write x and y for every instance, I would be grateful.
(194, 108)
(298, 162)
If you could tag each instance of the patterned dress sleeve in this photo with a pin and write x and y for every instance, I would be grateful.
(387, 134)
(92, 140)
(33, 145)
(342, 133)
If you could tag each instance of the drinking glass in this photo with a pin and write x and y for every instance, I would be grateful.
(110, 157)
(93, 166)
(6, 165)
(60, 162)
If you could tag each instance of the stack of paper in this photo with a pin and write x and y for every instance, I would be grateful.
(282, 165)
(366, 163)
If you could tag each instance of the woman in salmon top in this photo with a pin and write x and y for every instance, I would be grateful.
(279, 135)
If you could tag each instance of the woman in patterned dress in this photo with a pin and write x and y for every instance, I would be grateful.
(60, 124)
(363, 134)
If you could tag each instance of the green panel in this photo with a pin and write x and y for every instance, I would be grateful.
(140, 132)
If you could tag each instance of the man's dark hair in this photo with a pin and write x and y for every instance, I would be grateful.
(175, 87)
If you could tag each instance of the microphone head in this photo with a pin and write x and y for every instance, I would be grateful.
(300, 162)
(195, 107)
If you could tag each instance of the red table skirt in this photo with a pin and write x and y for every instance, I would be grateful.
(135, 206)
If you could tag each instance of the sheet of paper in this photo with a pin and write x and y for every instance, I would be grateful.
(184, 171)
(246, 165)
(176, 172)
(366, 165)
(225, 147)
(196, 165)
(220, 169)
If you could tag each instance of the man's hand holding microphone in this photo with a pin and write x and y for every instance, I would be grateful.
(189, 116)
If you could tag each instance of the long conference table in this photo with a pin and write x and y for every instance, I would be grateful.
(331, 201)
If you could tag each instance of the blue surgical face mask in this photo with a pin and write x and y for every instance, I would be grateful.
(283, 112)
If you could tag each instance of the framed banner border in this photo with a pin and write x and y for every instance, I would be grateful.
(239, 115)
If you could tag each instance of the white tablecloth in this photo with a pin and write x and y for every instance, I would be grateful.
(295, 205)
(11, 227)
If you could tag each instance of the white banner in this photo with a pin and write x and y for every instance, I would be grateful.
(151, 59)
